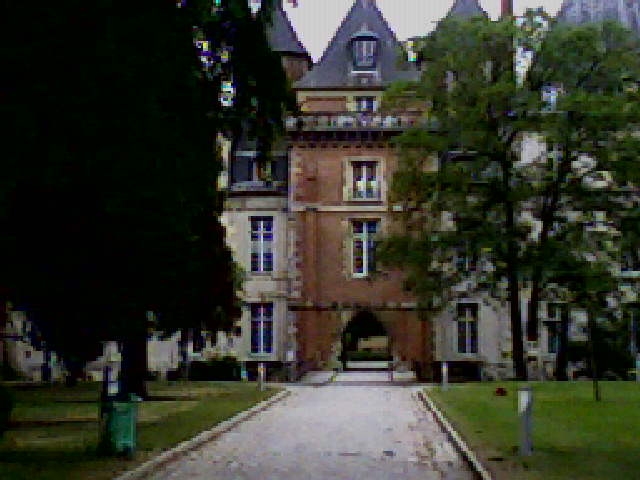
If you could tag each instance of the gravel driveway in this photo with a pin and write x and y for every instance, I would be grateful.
(331, 432)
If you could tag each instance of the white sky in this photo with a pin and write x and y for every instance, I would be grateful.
(316, 21)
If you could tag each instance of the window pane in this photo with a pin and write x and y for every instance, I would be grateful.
(462, 336)
(261, 244)
(371, 256)
(365, 180)
(552, 337)
(365, 53)
(255, 337)
(473, 336)
(267, 339)
(261, 327)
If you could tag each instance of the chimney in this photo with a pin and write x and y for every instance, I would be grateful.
(507, 8)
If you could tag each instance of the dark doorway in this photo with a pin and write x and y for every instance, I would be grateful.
(364, 339)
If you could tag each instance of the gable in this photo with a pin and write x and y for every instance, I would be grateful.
(334, 68)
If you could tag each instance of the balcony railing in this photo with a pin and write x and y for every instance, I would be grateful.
(320, 121)
(258, 186)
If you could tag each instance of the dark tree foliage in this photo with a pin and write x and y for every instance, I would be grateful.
(468, 83)
(483, 183)
(108, 199)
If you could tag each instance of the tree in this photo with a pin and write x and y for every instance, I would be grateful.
(108, 199)
(589, 128)
(469, 85)
(508, 211)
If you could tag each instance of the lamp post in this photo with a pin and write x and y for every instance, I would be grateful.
(525, 411)
(445, 376)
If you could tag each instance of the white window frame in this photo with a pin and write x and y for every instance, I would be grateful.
(353, 168)
(465, 260)
(261, 246)
(470, 319)
(365, 53)
(261, 169)
(265, 324)
(365, 237)
(364, 102)
(554, 316)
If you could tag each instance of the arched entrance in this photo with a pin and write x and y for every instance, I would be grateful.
(365, 343)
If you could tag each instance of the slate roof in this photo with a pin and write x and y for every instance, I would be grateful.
(334, 67)
(281, 35)
(626, 12)
(466, 9)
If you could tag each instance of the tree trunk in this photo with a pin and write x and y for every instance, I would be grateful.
(517, 344)
(592, 355)
(133, 374)
(183, 346)
(549, 209)
(534, 304)
(562, 356)
(4, 354)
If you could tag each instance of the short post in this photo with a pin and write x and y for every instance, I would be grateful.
(445, 376)
(525, 411)
(261, 376)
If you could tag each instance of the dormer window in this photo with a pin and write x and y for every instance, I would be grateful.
(364, 53)
(364, 49)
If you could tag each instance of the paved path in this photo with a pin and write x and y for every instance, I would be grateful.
(343, 431)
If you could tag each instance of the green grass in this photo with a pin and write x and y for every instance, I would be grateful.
(55, 429)
(574, 436)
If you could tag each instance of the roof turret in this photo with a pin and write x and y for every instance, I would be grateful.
(627, 12)
(281, 35)
(466, 9)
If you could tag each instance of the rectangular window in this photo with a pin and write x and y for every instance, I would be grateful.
(466, 260)
(630, 260)
(365, 183)
(261, 244)
(365, 53)
(363, 247)
(553, 336)
(261, 328)
(467, 323)
(261, 170)
(554, 311)
(550, 95)
(366, 104)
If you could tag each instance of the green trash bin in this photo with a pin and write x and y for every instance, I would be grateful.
(120, 419)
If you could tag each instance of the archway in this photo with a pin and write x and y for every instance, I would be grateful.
(365, 343)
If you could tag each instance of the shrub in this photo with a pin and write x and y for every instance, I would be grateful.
(7, 372)
(363, 355)
(6, 405)
(226, 368)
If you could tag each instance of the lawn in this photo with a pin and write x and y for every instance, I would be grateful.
(574, 436)
(55, 429)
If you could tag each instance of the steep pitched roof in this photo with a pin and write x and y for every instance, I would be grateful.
(334, 67)
(627, 12)
(466, 9)
(281, 35)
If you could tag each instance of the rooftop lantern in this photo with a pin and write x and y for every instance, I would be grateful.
(364, 49)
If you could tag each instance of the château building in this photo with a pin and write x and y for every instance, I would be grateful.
(303, 224)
